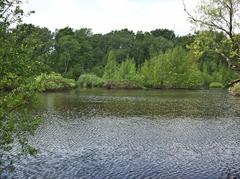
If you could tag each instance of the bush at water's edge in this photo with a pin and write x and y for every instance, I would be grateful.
(216, 85)
(89, 81)
(54, 82)
(235, 89)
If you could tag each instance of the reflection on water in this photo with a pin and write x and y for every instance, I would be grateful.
(136, 134)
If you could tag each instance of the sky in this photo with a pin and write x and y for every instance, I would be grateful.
(103, 16)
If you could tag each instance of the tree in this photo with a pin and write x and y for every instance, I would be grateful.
(17, 90)
(68, 51)
(75, 52)
(168, 34)
(127, 70)
(221, 16)
(11, 12)
(37, 43)
(111, 67)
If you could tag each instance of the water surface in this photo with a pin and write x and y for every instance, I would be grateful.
(136, 134)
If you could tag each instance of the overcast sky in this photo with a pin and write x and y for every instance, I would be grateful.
(103, 16)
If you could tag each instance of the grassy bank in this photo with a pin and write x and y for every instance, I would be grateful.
(55, 82)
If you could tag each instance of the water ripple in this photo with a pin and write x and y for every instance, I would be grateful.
(100, 134)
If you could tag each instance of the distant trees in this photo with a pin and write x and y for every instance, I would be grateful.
(130, 55)
(79, 51)
(125, 55)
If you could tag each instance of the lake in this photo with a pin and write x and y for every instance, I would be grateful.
(136, 134)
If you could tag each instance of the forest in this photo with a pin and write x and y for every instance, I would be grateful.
(121, 59)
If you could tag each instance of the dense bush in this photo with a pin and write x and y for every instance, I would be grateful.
(89, 81)
(54, 82)
(216, 85)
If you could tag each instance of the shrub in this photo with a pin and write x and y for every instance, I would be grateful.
(193, 79)
(89, 81)
(216, 85)
(235, 89)
(54, 82)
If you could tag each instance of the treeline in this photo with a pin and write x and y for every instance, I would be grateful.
(175, 68)
(156, 59)
(81, 51)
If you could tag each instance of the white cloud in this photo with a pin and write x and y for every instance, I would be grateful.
(103, 16)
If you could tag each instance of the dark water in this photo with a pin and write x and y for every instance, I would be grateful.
(136, 134)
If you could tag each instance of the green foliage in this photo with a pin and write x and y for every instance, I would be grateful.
(123, 75)
(168, 34)
(18, 48)
(156, 59)
(81, 52)
(216, 85)
(54, 82)
(89, 81)
(36, 43)
(221, 20)
(110, 72)
(78, 52)
(174, 69)
(75, 52)
(126, 70)
(16, 121)
(214, 69)
(209, 42)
